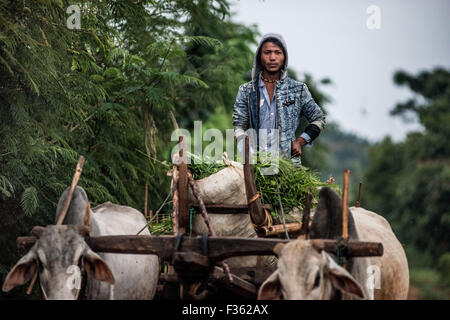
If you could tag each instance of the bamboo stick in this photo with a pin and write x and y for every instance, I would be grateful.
(358, 203)
(279, 228)
(257, 213)
(145, 201)
(33, 281)
(183, 188)
(345, 205)
(175, 213)
(75, 179)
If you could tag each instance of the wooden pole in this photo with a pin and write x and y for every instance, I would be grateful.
(183, 201)
(345, 205)
(219, 248)
(33, 281)
(280, 228)
(258, 216)
(358, 203)
(175, 201)
(75, 179)
(202, 206)
(145, 201)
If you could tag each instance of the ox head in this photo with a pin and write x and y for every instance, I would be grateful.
(306, 272)
(59, 255)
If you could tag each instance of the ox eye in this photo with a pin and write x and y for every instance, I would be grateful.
(317, 279)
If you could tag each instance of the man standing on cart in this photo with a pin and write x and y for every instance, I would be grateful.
(272, 104)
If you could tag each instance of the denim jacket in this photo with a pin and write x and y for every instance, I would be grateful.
(291, 104)
(293, 100)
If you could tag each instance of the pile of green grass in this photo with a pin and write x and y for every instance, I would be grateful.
(294, 182)
(163, 227)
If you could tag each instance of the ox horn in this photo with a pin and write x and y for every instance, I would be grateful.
(84, 230)
(37, 231)
(317, 244)
(87, 215)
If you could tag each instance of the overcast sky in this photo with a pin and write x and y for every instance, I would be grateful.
(330, 38)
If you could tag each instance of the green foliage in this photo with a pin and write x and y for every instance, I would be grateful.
(444, 268)
(292, 183)
(342, 151)
(111, 91)
(164, 227)
(29, 201)
(409, 182)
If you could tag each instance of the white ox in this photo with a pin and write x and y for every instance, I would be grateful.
(306, 272)
(60, 249)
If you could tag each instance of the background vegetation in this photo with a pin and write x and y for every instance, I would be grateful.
(115, 89)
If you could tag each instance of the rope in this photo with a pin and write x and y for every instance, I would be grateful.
(282, 211)
(191, 213)
(267, 220)
(253, 199)
(341, 252)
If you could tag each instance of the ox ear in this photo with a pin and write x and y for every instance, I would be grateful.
(22, 272)
(271, 288)
(97, 267)
(340, 277)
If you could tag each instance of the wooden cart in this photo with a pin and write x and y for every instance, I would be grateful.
(194, 271)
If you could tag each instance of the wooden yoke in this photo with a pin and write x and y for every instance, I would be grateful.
(183, 201)
(256, 210)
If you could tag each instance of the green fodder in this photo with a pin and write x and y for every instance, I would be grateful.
(163, 227)
(294, 182)
(203, 170)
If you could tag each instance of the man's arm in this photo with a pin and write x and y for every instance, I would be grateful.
(312, 113)
(240, 113)
(315, 117)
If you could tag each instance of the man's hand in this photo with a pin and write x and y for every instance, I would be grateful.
(297, 146)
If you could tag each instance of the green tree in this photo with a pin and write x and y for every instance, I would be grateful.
(109, 91)
(409, 182)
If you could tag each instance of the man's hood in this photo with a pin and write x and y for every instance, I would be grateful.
(257, 67)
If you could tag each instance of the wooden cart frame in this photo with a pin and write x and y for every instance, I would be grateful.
(193, 260)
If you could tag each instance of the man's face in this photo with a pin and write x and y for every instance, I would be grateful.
(272, 57)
